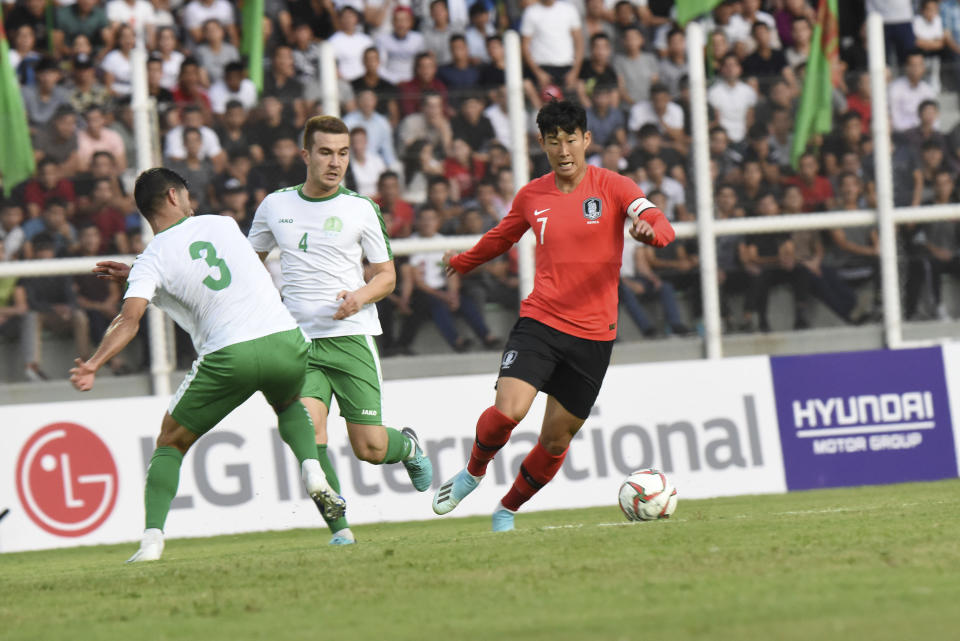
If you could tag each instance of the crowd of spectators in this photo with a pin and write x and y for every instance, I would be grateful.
(421, 85)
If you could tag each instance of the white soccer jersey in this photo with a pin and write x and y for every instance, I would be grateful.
(322, 244)
(203, 273)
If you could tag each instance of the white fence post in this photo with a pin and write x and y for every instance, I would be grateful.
(883, 158)
(328, 80)
(519, 152)
(160, 363)
(709, 285)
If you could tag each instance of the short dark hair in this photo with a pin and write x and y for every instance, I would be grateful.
(925, 104)
(455, 37)
(561, 115)
(151, 188)
(323, 124)
(599, 36)
(648, 130)
(233, 66)
(387, 175)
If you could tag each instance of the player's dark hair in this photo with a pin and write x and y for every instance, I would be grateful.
(561, 115)
(152, 187)
(322, 124)
(455, 37)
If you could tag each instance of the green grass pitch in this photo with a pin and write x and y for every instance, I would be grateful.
(871, 563)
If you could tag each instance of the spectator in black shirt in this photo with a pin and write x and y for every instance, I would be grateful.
(598, 70)
(766, 64)
(281, 83)
(386, 91)
(263, 133)
(286, 170)
(52, 303)
(471, 125)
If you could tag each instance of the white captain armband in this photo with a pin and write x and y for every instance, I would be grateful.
(639, 206)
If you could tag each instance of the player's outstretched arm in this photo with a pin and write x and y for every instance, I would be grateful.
(121, 331)
(492, 244)
(112, 270)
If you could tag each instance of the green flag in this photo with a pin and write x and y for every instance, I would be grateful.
(687, 10)
(815, 115)
(16, 151)
(252, 41)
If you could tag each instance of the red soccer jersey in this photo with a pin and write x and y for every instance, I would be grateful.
(579, 240)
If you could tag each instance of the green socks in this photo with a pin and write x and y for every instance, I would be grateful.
(399, 447)
(331, 474)
(296, 430)
(163, 477)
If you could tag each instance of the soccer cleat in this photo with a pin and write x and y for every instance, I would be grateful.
(453, 491)
(151, 547)
(331, 504)
(340, 538)
(419, 467)
(502, 519)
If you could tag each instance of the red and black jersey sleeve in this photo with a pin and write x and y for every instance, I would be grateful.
(629, 195)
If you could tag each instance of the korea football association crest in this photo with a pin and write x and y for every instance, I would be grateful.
(508, 359)
(592, 208)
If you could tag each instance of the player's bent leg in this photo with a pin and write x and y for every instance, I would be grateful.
(339, 527)
(297, 431)
(385, 445)
(163, 478)
(514, 397)
(542, 463)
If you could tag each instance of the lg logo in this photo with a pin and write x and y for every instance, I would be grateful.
(66, 479)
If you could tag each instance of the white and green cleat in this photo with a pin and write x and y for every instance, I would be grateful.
(453, 491)
(332, 504)
(151, 547)
(418, 465)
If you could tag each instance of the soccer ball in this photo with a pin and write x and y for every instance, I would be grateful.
(647, 495)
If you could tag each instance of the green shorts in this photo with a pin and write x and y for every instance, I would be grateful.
(347, 367)
(221, 381)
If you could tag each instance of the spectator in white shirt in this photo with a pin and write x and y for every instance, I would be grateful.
(139, 14)
(931, 39)
(399, 47)
(364, 167)
(908, 92)
(193, 118)
(552, 41)
(349, 44)
(733, 99)
(660, 111)
(196, 12)
(897, 26)
(658, 180)
(234, 86)
(378, 133)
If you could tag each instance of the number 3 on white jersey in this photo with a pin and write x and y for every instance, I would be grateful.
(543, 227)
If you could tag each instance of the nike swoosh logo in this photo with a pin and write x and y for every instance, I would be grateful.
(537, 212)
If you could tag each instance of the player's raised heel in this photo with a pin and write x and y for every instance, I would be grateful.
(502, 520)
(151, 547)
(453, 491)
(333, 505)
(419, 467)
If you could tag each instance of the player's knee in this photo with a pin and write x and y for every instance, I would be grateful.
(512, 409)
(556, 445)
(175, 440)
(368, 452)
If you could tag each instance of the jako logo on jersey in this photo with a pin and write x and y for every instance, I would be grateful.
(509, 358)
(285, 220)
(369, 412)
(333, 224)
(66, 479)
(591, 209)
